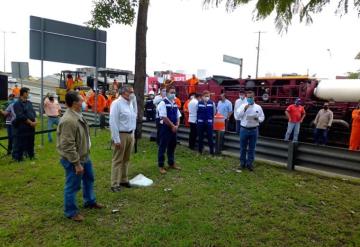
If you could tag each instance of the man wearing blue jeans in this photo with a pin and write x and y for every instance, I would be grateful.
(250, 115)
(52, 110)
(73, 145)
(295, 114)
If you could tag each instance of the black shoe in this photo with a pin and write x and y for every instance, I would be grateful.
(251, 169)
(126, 185)
(242, 167)
(115, 189)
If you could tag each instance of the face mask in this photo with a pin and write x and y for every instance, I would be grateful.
(29, 97)
(11, 101)
(250, 101)
(241, 96)
(132, 96)
(192, 96)
(207, 98)
(83, 106)
(163, 93)
(171, 96)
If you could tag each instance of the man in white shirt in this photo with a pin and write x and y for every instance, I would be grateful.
(250, 115)
(122, 125)
(158, 98)
(240, 101)
(169, 123)
(192, 120)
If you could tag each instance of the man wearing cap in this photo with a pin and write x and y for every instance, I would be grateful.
(295, 114)
(52, 110)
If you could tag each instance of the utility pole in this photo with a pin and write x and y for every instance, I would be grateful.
(4, 33)
(258, 53)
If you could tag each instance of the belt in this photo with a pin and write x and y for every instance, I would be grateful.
(53, 116)
(126, 132)
(249, 128)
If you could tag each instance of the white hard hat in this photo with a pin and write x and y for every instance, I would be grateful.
(151, 92)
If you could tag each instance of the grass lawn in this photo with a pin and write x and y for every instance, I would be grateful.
(209, 204)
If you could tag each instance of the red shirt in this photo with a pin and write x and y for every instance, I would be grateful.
(295, 112)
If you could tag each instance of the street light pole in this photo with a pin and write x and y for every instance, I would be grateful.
(4, 34)
(258, 53)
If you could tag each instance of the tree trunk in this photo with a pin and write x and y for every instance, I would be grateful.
(140, 60)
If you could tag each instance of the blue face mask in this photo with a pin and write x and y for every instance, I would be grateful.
(11, 101)
(171, 96)
(250, 101)
(83, 106)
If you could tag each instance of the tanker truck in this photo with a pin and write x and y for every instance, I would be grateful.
(275, 94)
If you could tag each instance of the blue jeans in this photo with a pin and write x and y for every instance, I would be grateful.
(292, 127)
(208, 128)
(167, 143)
(10, 136)
(51, 122)
(238, 126)
(73, 185)
(320, 136)
(248, 138)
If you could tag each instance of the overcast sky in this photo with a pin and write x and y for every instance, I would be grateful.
(182, 35)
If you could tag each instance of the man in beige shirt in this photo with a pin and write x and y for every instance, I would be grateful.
(323, 122)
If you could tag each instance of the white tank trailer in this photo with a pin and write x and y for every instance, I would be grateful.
(345, 90)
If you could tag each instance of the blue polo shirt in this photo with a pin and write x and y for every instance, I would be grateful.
(224, 108)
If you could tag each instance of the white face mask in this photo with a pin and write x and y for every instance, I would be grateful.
(207, 98)
(132, 96)
(241, 96)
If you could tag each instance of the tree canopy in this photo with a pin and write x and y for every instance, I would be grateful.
(286, 10)
(108, 12)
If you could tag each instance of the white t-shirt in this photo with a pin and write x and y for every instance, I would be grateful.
(250, 118)
(193, 110)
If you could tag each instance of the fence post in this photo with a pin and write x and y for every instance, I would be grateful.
(292, 148)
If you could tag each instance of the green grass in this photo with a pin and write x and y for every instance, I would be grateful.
(209, 204)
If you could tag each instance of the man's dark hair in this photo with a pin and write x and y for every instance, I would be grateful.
(169, 88)
(71, 97)
(24, 90)
(250, 92)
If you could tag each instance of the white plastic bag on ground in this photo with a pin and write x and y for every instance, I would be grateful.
(141, 181)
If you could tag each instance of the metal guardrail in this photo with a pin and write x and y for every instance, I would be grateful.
(323, 158)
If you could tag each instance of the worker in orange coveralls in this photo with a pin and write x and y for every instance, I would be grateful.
(177, 102)
(69, 82)
(101, 102)
(16, 91)
(355, 130)
(192, 84)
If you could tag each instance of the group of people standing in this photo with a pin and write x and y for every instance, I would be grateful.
(20, 124)
(201, 111)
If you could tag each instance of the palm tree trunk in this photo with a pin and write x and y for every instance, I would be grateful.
(140, 60)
